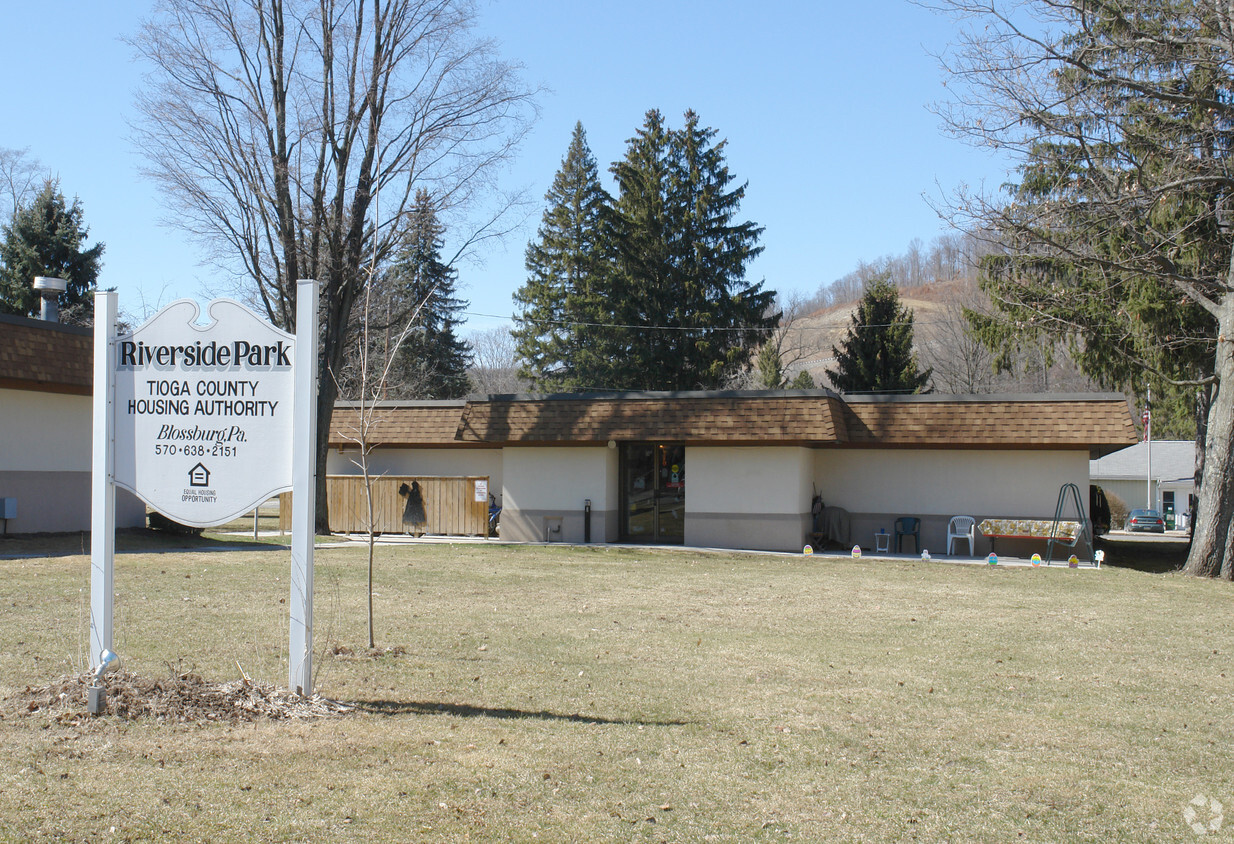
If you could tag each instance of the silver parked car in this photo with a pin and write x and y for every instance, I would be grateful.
(1145, 520)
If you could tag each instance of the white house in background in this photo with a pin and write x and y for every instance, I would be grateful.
(46, 380)
(756, 461)
(1126, 474)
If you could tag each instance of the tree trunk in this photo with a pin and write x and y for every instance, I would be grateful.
(1213, 541)
(337, 300)
(327, 392)
(1203, 401)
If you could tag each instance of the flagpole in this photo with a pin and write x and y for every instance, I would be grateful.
(1148, 438)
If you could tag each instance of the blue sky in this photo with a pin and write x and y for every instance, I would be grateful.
(824, 106)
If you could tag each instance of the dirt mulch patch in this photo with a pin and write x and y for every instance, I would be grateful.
(344, 652)
(178, 698)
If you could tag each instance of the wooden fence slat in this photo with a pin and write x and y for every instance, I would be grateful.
(449, 504)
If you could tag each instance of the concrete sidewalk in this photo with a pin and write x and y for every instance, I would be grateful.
(357, 540)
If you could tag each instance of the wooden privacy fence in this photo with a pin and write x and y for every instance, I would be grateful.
(450, 505)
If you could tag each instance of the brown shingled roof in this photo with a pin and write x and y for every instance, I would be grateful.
(398, 425)
(44, 356)
(1102, 422)
(697, 418)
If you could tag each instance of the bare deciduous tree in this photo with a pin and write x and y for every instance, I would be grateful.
(781, 360)
(20, 178)
(272, 125)
(373, 364)
(494, 362)
(1117, 237)
(961, 362)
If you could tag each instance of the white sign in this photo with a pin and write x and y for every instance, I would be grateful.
(482, 490)
(203, 413)
(204, 422)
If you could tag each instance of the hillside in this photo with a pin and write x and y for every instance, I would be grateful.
(960, 364)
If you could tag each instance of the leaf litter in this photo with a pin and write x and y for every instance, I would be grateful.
(180, 697)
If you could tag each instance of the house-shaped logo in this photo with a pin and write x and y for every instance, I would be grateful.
(199, 475)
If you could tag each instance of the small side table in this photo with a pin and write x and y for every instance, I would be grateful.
(882, 541)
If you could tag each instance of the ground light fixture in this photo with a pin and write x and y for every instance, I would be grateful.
(108, 661)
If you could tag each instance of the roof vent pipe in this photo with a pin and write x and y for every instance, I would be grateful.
(50, 289)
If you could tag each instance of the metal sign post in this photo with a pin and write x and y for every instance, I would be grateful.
(102, 477)
(303, 494)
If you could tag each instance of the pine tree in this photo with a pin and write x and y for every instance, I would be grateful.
(649, 291)
(643, 287)
(681, 262)
(771, 374)
(803, 381)
(715, 253)
(566, 295)
(770, 368)
(876, 354)
(47, 238)
(432, 361)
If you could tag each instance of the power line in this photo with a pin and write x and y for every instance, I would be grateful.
(643, 327)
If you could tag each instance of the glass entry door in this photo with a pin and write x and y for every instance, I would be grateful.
(653, 489)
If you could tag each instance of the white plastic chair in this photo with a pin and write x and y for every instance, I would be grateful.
(961, 527)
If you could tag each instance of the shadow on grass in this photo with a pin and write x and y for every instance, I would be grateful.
(1150, 555)
(466, 710)
(128, 541)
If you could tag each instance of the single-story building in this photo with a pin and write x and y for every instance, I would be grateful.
(46, 380)
(757, 461)
(1169, 481)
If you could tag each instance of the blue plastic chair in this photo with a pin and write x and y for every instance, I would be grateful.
(907, 526)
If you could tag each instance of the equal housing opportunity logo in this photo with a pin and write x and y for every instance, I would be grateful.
(1203, 814)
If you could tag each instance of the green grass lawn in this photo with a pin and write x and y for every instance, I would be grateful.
(559, 694)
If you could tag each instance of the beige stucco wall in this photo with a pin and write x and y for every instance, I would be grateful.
(447, 462)
(998, 483)
(44, 432)
(45, 445)
(757, 497)
(748, 497)
(548, 486)
(877, 486)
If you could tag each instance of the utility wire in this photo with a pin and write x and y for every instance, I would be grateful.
(642, 327)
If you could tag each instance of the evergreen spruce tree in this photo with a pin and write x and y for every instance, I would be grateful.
(432, 361)
(649, 291)
(771, 374)
(803, 381)
(644, 283)
(727, 316)
(681, 262)
(876, 354)
(48, 238)
(770, 369)
(566, 297)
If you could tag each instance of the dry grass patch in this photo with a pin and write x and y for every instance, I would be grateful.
(621, 694)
